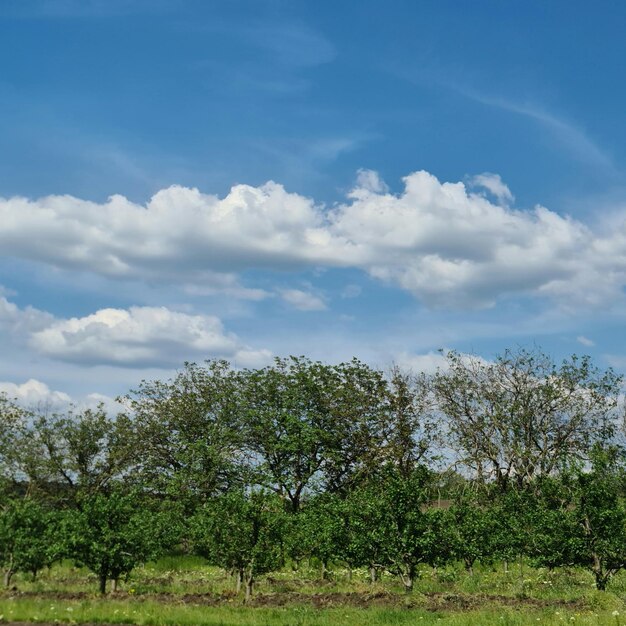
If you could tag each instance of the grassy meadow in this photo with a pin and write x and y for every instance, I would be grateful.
(183, 590)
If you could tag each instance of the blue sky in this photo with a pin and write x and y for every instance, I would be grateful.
(186, 179)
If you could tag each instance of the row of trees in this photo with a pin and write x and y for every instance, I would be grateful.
(256, 468)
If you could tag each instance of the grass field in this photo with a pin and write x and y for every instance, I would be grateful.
(184, 591)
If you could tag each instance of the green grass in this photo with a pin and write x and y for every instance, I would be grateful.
(184, 591)
(151, 613)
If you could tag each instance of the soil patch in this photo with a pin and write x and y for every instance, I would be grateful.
(439, 601)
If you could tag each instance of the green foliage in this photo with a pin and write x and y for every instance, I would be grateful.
(113, 533)
(396, 529)
(189, 430)
(332, 463)
(319, 530)
(241, 532)
(600, 510)
(28, 537)
(474, 527)
(78, 452)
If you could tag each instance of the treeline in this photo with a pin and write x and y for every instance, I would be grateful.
(520, 457)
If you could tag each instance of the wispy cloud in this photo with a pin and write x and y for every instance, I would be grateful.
(303, 300)
(573, 138)
(585, 341)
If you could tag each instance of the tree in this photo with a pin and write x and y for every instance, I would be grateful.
(522, 416)
(13, 424)
(289, 424)
(396, 526)
(551, 524)
(78, 452)
(357, 399)
(600, 512)
(189, 432)
(28, 537)
(241, 532)
(112, 533)
(319, 530)
(409, 427)
(474, 527)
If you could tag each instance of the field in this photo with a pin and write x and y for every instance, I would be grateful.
(183, 590)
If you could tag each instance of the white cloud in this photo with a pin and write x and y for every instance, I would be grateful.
(447, 246)
(16, 322)
(427, 363)
(303, 300)
(494, 185)
(138, 337)
(134, 337)
(432, 361)
(451, 248)
(585, 341)
(34, 393)
(369, 180)
(37, 395)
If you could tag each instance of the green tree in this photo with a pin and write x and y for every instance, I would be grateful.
(13, 426)
(78, 452)
(356, 397)
(410, 428)
(289, 424)
(600, 510)
(394, 527)
(241, 532)
(474, 525)
(112, 533)
(319, 530)
(28, 537)
(189, 432)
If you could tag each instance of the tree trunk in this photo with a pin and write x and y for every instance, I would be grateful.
(8, 574)
(407, 578)
(103, 584)
(249, 584)
(239, 578)
(373, 574)
(408, 583)
(114, 585)
(602, 580)
(324, 571)
(506, 567)
(469, 566)
(349, 574)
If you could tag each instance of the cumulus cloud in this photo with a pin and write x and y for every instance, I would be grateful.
(494, 185)
(139, 337)
(180, 233)
(135, 337)
(369, 180)
(433, 361)
(37, 395)
(447, 245)
(34, 393)
(18, 322)
(303, 300)
(427, 363)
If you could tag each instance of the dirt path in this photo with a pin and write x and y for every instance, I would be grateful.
(440, 601)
